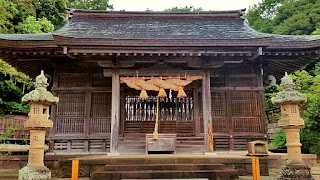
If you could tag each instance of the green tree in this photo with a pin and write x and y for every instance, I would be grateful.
(89, 4)
(11, 83)
(184, 9)
(285, 16)
(53, 10)
(13, 13)
(260, 16)
(32, 25)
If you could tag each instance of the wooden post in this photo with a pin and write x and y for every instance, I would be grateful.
(115, 112)
(75, 169)
(206, 100)
(254, 175)
(257, 168)
(196, 119)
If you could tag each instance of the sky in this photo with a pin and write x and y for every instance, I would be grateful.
(160, 5)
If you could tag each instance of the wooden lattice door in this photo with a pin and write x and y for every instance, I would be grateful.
(71, 113)
(175, 115)
(219, 106)
(100, 122)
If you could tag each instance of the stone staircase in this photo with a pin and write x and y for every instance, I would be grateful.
(135, 144)
(164, 168)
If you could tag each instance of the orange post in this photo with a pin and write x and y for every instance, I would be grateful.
(253, 161)
(75, 169)
(257, 168)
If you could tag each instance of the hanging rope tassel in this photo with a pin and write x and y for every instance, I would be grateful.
(143, 94)
(162, 93)
(181, 93)
(155, 133)
(209, 139)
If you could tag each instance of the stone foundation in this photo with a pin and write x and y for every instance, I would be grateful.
(295, 170)
(34, 173)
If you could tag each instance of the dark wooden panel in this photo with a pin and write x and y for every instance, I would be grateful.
(100, 121)
(186, 127)
(73, 80)
(141, 114)
(219, 124)
(98, 80)
(167, 127)
(247, 124)
(240, 144)
(70, 125)
(100, 125)
(221, 144)
(245, 104)
(71, 104)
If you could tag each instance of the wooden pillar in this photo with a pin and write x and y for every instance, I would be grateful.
(196, 118)
(115, 112)
(207, 118)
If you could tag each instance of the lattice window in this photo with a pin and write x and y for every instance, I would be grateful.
(245, 104)
(218, 112)
(100, 113)
(219, 124)
(101, 105)
(170, 109)
(71, 104)
(218, 103)
(247, 124)
(100, 125)
(71, 112)
(69, 125)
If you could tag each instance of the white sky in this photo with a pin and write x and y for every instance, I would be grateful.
(159, 5)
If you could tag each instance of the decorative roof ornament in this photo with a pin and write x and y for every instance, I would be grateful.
(288, 95)
(40, 94)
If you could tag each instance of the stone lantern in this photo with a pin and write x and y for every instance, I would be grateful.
(38, 123)
(291, 123)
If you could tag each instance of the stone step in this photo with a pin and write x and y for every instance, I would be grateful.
(8, 174)
(227, 174)
(155, 159)
(153, 167)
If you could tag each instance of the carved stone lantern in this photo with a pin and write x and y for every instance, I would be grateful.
(291, 123)
(38, 123)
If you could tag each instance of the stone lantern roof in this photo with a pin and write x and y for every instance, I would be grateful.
(288, 95)
(40, 94)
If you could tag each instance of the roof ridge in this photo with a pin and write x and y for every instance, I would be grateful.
(233, 14)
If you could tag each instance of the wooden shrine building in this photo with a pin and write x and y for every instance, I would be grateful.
(86, 58)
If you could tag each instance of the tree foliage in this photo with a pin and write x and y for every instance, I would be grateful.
(295, 17)
(11, 83)
(33, 25)
(285, 16)
(17, 16)
(184, 9)
(89, 4)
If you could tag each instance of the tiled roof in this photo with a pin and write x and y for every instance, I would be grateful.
(158, 28)
(112, 25)
(27, 37)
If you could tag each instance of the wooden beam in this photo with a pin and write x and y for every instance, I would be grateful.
(130, 72)
(206, 100)
(115, 112)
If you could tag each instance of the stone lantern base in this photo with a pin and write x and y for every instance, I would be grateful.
(34, 173)
(295, 170)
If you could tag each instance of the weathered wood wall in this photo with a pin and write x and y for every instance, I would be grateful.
(237, 107)
(83, 115)
(82, 119)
